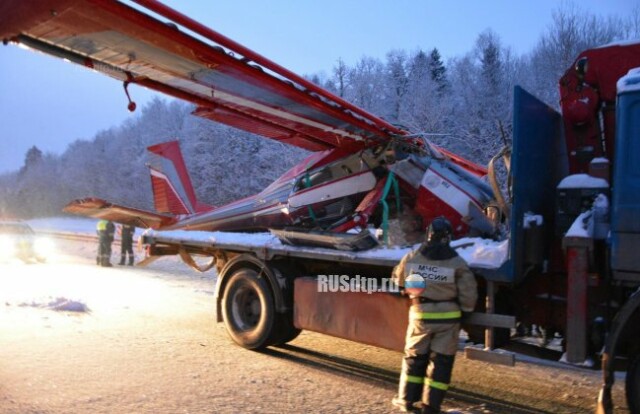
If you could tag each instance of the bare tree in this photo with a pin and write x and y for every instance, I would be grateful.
(396, 81)
(632, 24)
(367, 85)
(571, 32)
(340, 77)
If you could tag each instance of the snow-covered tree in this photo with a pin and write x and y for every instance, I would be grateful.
(571, 32)
(438, 71)
(396, 81)
(367, 83)
(340, 78)
(32, 158)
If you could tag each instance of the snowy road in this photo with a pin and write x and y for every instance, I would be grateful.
(143, 340)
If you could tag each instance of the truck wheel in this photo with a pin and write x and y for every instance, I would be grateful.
(284, 331)
(248, 310)
(633, 385)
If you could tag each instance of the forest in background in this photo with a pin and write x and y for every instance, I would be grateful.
(461, 104)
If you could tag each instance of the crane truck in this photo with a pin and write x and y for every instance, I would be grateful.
(570, 266)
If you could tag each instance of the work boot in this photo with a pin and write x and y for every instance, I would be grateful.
(429, 410)
(406, 406)
(121, 261)
(131, 261)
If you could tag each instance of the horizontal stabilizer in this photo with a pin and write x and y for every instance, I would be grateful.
(101, 209)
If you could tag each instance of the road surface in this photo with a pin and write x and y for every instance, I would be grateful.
(77, 338)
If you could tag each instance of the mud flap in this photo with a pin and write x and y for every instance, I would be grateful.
(379, 318)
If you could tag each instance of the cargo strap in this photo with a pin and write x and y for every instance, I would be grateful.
(391, 180)
(189, 261)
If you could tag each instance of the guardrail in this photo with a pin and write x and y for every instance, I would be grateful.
(64, 235)
(69, 235)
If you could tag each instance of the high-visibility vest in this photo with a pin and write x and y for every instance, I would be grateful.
(102, 225)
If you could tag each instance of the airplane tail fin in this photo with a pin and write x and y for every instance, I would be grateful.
(172, 189)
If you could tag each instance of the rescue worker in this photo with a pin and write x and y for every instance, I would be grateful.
(106, 231)
(101, 228)
(126, 243)
(441, 288)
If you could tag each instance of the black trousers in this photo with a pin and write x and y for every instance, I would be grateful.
(104, 250)
(126, 248)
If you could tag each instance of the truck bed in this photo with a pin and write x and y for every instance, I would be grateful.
(479, 253)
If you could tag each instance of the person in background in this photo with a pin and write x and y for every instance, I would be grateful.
(106, 231)
(101, 228)
(441, 288)
(126, 244)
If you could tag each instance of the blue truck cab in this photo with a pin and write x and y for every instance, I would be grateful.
(625, 201)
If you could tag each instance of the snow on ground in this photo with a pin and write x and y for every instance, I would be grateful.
(68, 291)
(58, 304)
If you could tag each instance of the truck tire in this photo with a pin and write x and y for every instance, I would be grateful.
(284, 331)
(633, 385)
(248, 309)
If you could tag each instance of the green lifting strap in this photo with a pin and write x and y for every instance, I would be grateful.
(391, 180)
(307, 184)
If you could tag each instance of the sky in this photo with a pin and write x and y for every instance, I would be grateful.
(49, 103)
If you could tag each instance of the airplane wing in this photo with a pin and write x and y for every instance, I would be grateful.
(184, 59)
(101, 209)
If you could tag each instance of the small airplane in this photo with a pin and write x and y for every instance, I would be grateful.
(362, 170)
